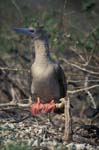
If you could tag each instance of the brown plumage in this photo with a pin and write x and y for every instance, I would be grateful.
(48, 79)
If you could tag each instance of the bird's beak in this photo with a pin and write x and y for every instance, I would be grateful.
(27, 31)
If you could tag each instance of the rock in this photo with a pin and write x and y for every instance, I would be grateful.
(84, 146)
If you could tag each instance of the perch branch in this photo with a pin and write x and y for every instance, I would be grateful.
(68, 121)
(69, 92)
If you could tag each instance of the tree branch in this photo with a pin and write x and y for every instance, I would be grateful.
(83, 89)
(81, 68)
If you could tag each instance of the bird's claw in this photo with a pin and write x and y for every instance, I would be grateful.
(61, 104)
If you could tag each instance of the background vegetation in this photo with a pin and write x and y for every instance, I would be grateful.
(73, 26)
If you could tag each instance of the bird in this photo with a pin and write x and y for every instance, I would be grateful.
(49, 85)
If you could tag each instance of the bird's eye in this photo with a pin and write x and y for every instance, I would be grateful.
(32, 30)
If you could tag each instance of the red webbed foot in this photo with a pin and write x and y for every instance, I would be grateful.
(41, 108)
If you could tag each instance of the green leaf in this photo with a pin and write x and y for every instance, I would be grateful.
(88, 4)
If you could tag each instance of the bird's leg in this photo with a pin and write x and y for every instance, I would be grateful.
(37, 108)
(42, 108)
(48, 107)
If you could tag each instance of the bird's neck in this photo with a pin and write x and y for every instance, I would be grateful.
(41, 49)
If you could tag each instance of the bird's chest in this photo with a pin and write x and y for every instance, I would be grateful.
(43, 76)
(42, 72)
(44, 82)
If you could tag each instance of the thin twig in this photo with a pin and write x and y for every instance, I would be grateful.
(14, 104)
(13, 69)
(81, 68)
(88, 92)
(80, 56)
(82, 89)
(18, 8)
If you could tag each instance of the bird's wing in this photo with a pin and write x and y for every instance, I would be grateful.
(61, 79)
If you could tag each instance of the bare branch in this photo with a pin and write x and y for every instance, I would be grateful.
(88, 92)
(14, 104)
(81, 68)
(14, 69)
(77, 53)
(17, 8)
(92, 99)
(83, 89)
(68, 121)
(13, 93)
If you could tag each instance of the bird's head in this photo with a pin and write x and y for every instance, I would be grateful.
(35, 33)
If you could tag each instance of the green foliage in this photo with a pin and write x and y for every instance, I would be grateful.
(30, 21)
(96, 33)
(89, 45)
(16, 146)
(88, 4)
(92, 41)
(48, 21)
(5, 42)
(51, 22)
(57, 38)
(5, 46)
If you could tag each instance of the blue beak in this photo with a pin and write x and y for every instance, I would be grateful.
(26, 31)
